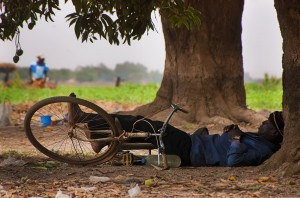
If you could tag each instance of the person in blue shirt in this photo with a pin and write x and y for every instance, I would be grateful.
(38, 70)
(231, 148)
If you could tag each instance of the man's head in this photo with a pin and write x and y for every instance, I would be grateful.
(40, 59)
(272, 129)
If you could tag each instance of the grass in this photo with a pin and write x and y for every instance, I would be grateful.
(259, 96)
(16, 154)
(127, 93)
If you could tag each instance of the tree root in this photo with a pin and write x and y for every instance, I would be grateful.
(236, 115)
(283, 164)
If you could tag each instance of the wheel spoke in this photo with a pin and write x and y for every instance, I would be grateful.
(68, 143)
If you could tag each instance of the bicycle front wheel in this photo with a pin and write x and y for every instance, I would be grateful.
(49, 128)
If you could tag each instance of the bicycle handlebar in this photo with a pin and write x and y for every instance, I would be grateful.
(177, 107)
(162, 130)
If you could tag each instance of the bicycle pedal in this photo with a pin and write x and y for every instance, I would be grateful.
(127, 159)
(123, 158)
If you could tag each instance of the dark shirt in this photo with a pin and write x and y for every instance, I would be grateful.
(217, 150)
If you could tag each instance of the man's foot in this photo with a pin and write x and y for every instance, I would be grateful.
(96, 146)
(76, 115)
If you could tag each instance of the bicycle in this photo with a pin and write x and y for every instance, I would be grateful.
(49, 129)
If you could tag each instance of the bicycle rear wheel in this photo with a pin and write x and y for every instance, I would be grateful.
(48, 128)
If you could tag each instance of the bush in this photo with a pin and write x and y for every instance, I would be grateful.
(271, 82)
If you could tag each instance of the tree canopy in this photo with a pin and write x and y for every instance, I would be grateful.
(113, 20)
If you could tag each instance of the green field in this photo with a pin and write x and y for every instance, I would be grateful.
(259, 96)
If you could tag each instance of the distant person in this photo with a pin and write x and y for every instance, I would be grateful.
(38, 70)
(118, 81)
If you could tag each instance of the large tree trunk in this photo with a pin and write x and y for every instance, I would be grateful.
(203, 67)
(287, 159)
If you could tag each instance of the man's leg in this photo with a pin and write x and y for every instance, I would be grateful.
(94, 122)
(176, 141)
(179, 143)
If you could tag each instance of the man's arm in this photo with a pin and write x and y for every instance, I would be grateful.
(239, 155)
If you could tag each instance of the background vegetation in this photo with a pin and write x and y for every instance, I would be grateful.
(264, 95)
(128, 92)
(127, 71)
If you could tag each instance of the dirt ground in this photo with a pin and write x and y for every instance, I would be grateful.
(24, 172)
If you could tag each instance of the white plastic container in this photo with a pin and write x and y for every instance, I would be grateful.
(135, 191)
(173, 160)
(96, 179)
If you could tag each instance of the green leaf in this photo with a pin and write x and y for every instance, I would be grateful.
(72, 15)
(78, 27)
(107, 19)
(72, 22)
(84, 36)
(77, 4)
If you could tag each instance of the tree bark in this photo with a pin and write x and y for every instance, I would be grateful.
(204, 68)
(287, 159)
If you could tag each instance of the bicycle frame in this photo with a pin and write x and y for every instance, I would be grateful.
(127, 135)
(68, 138)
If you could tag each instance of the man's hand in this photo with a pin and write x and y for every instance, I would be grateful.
(234, 132)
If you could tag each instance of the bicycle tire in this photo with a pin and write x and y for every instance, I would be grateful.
(55, 142)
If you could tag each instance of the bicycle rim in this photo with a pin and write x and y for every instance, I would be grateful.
(65, 142)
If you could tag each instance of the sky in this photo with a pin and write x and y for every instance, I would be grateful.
(261, 38)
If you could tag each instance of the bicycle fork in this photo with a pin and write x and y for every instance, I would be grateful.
(162, 131)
